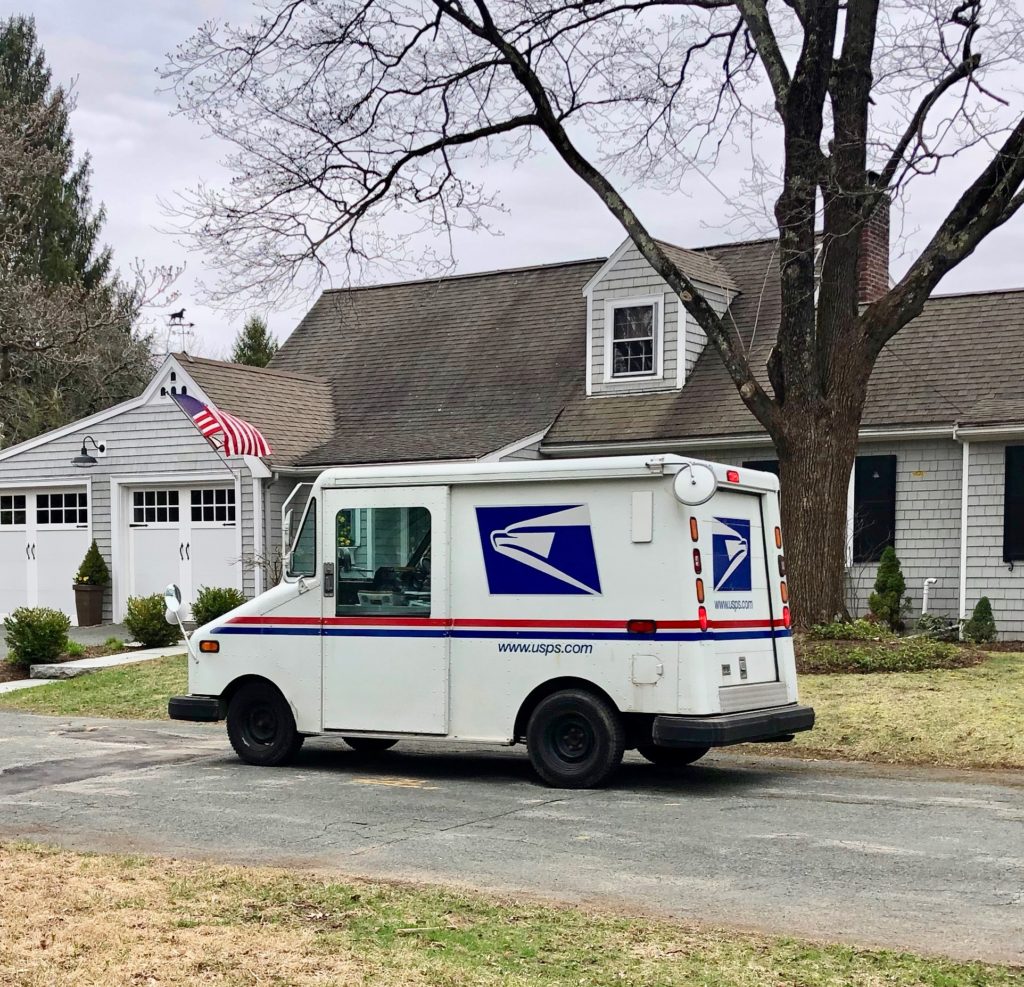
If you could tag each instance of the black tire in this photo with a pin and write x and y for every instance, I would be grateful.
(369, 745)
(575, 739)
(672, 757)
(261, 727)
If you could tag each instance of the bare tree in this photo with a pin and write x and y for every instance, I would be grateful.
(351, 122)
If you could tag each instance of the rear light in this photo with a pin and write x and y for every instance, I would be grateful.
(702, 617)
(733, 476)
(786, 620)
(694, 534)
(641, 626)
(696, 561)
(700, 590)
(782, 565)
(785, 592)
(778, 537)
(209, 647)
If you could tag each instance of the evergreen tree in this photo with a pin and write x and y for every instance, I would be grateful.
(254, 346)
(888, 602)
(982, 625)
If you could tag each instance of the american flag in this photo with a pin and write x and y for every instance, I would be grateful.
(237, 437)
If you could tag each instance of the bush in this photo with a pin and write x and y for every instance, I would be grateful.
(982, 625)
(914, 654)
(850, 630)
(93, 571)
(215, 601)
(936, 627)
(36, 635)
(888, 602)
(145, 619)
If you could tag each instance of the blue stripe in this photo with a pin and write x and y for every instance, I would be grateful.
(504, 635)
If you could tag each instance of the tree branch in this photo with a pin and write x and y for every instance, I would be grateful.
(755, 14)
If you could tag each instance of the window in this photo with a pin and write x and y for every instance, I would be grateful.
(62, 508)
(215, 505)
(633, 331)
(155, 507)
(764, 465)
(302, 561)
(874, 507)
(389, 574)
(1013, 505)
(12, 509)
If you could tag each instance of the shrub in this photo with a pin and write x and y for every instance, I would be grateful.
(850, 630)
(888, 602)
(93, 571)
(36, 635)
(215, 601)
(145, 619)
(75, 649)
(982, 625)
(936, 627)
(915, 654)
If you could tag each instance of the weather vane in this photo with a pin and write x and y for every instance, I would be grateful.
(176, 323)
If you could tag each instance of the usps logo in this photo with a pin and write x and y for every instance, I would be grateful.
(547, 549)
(730, 551)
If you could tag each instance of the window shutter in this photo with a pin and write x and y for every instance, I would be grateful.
(1013, 505)
(874, 507)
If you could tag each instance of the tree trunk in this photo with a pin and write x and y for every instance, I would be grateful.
(816, 455)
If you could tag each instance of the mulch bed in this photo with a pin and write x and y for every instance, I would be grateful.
(814, 657)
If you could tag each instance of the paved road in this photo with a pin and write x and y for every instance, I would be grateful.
(908, 859)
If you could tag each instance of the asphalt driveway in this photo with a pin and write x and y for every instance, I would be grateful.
(909, 859)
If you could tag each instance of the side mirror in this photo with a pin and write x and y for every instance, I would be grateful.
(695, 484)
(172, 603)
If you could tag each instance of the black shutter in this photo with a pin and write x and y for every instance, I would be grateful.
(874, 507)
(764, 465)
(1013, 505)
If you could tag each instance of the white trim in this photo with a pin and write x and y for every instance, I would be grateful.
(493, 457)
(662, 445)
(851, 514)
(965, 488)
(44, 485)
(657, 302)
(681, 329)
(257, 535)
(589, 295)
(992, 432)
(616, 256)
(258, 468)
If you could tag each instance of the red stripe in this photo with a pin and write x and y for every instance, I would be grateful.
(501, 624)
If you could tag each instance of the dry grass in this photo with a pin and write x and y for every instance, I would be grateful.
(963, 717)
(75, 920)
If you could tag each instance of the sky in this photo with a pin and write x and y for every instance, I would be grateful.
(142, 155)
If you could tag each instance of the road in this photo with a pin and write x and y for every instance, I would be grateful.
(908, 859)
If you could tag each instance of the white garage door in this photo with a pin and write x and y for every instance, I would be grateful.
(182, 535)
(44, 535)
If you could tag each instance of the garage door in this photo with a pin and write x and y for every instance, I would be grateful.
(183, 535)
(44, 535)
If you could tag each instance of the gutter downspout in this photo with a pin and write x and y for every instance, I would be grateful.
(965, 486)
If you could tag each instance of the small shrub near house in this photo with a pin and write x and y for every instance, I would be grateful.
(93, 571)
(889, 601)
(215, 601)
(36, 635)
(981, 628)
(145, 619)
(911, 654)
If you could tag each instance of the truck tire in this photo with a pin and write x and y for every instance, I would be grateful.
(575, 739)
(369, 745)
(672, 757)
(261, 727)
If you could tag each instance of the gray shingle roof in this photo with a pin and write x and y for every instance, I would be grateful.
(293, 411)
(698, 265)
(453, 368)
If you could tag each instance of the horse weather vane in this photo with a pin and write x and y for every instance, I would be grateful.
(176, 323)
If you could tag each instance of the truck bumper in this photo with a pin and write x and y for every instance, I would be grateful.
(732, 728)
(200, 709)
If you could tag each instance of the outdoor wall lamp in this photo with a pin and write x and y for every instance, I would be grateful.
(83, 459)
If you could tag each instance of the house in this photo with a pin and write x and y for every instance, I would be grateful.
(592, 357)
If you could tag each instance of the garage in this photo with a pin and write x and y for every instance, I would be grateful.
(44, 535)
(184, 535)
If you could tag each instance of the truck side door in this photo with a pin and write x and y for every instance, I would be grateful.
(385, 610)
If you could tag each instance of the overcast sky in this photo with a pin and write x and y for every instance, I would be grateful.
(142, 154)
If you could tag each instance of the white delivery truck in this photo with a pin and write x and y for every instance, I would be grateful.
(583, 606)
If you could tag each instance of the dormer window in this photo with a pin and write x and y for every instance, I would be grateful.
(634, 338)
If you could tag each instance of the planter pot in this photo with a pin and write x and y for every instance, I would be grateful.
(89, 604)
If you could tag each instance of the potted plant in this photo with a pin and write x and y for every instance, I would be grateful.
(90, 580)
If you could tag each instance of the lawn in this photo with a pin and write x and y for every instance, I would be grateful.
(138, 691)
(73, 919)
(961, 717)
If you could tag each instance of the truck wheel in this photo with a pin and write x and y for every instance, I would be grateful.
(672, 757)
(575, 739)
(369, 745)
(261, 726)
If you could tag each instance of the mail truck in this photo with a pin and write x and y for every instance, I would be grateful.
(582, 607)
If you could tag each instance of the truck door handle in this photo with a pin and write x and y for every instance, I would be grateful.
(28, 553)
(328, 579)
(33, 549)
(187, 553)
(181, 551)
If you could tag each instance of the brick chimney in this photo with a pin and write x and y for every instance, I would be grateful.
(873, 265)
